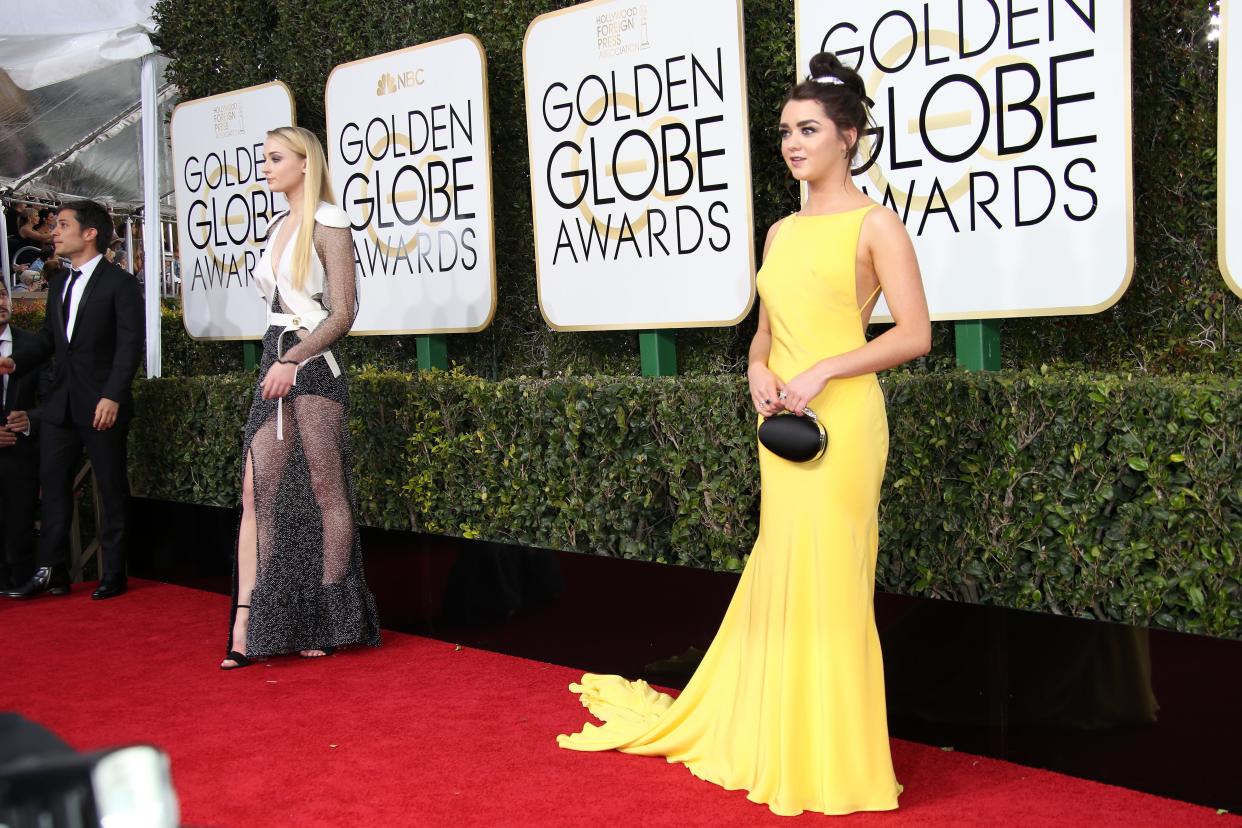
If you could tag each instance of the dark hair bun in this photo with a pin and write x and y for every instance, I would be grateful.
(825, 63)
(828, 65)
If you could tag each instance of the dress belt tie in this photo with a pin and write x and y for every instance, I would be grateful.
(294, 322)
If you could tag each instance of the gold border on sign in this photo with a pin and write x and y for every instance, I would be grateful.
(172, 158)
(750, 208)
(1222, 146)
(1128, 106)
(487, 155)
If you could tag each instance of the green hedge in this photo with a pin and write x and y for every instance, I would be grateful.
(1177, 316)
(1109, 496)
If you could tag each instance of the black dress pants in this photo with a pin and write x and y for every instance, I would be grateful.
(19, 494)
(60, 447)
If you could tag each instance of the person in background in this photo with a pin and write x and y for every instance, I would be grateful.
(48, 252)
(116, 252)
(52, 268)
(94, 328)
(30, 232)
(19, 460)
(13, 218)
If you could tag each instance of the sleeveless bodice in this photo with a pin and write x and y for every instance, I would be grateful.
(808, 288)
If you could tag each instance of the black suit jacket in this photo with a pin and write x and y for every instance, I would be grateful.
(23, 395)
(103, 356)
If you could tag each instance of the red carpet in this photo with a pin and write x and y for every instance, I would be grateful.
(421, 733)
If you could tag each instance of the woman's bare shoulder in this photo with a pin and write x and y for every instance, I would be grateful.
(883, 221)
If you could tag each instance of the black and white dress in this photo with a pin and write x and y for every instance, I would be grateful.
(310, 591)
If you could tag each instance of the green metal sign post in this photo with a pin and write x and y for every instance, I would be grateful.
(978, 344)
(250, 355)
(432, 352)
(658, 353)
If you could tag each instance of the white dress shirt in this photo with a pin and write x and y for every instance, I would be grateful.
(6, 349)
(79, 287)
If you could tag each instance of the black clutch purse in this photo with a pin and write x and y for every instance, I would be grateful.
(800, 439)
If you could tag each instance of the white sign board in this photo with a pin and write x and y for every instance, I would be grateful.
(1229, 128)
(410, 159)
(224, 208)
(640, 164)
(1002, 139)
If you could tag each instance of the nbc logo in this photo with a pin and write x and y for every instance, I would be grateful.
(389, 83)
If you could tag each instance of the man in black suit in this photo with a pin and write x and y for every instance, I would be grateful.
(19, 460)
(94, 327)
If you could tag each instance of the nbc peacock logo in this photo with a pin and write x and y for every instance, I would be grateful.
(389, 83)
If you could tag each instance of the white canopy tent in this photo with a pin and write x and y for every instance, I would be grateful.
(80, 117)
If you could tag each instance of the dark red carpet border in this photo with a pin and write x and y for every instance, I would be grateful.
(423, 733)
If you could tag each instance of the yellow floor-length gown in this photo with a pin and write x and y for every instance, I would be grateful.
(788, 702)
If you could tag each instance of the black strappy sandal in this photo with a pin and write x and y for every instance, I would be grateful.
(239, 659)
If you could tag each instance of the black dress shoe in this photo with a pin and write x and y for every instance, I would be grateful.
(47, 580)
(110, 588)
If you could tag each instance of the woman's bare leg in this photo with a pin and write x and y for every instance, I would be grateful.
(273, 455)
(247, 563)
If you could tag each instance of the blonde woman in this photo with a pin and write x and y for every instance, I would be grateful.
(33, 230)
(298, 584)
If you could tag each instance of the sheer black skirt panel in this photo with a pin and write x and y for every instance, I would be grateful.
(310, 591)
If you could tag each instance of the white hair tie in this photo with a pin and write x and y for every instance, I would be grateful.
(829, 79)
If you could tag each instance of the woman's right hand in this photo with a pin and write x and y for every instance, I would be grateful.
(765, 389)
(278, 380)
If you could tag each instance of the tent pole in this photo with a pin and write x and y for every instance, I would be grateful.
(169, 244)
(4, 247)
(129, 243)
(152, 238)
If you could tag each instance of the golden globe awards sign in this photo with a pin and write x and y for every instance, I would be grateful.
(1002, 139)
(1229, 127)
(410, 159)
(640, 164)
(224, 208)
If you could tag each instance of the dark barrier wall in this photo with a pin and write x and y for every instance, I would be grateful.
(1178, 314)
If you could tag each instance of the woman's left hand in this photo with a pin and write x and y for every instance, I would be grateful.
(278, 380)
(803, 388)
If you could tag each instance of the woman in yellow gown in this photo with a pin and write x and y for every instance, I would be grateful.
(788, 702)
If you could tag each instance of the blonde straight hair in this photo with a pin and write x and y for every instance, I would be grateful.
(315, 188)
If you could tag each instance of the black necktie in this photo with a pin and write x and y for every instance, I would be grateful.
(68, 301)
